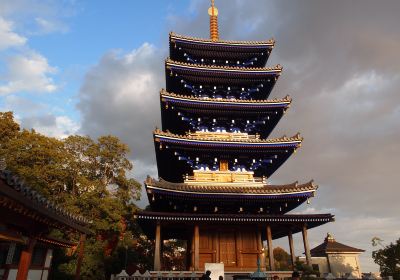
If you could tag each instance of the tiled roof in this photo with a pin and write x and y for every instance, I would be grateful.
(276, 69)
(282, 140)
(287, 99)
(270, 42)
(331, 246)
(232, 188)
(32, 198)
(286, 218)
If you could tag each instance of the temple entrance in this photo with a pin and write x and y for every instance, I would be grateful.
(227, 248)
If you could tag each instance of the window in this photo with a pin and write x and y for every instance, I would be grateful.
(39, 256)
(223, 165)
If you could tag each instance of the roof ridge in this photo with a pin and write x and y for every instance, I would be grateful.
(284, 138)
(287, 98)
(230, 188)
(277, 67)
(206, 40)
(19, 185)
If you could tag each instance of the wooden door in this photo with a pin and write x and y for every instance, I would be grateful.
(227, 248)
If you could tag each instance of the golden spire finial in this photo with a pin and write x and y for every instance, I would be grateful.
(213, 12)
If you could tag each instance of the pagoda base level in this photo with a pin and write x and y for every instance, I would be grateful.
(229, 275)
(231, 239)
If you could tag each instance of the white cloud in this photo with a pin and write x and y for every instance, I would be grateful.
(50, 125)
(46, 26)
(8, 38)
(120, 96)
(28, 72)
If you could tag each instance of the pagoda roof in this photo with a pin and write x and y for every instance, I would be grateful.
(182, 99)
(294, 141)
(250, 44)
(330, 245)
(241, 218)
(276, 70)
(232, 188)
(280, 223)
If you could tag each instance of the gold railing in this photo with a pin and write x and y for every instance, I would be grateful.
(223, 135)
(223, 177)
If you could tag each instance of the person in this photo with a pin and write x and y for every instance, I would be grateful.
(221, 277)
(276, 277)
(206, 276)
(295, 275)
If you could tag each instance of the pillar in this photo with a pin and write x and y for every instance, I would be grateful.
(157, 249)
(25, 260)
(306, 245)
(196, 237)
(260, 249)
(270, 249)
(291, 248)
(80, 256)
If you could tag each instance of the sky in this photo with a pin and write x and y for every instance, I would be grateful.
(96, 68)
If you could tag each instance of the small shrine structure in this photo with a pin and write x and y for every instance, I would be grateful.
(336, 258)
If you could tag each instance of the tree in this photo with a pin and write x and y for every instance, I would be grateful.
(282, 259)
(8, 127)
(87, 177)
(388, 259)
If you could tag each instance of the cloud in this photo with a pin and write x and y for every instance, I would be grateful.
(120, 96)
(28, 72)
(50, 125)
(47, 26)
(8, 38)
(40, 116)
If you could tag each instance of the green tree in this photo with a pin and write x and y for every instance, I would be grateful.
(8, 127)
(282, 259)
(85, 176)
(388, 259)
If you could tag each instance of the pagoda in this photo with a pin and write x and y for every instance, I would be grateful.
(215, 159)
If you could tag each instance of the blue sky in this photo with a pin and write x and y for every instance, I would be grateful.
(72, 36)
(96, 67)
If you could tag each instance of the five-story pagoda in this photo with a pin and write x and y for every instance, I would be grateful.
(214, 156)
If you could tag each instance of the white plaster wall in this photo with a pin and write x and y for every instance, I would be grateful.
(345, 263)
(12, 274)
(321, 261)
(45, 274)
(49, 256)
(32, 275)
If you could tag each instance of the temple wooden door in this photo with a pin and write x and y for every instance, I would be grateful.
(227, 248)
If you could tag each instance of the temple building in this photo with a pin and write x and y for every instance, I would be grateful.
(215, 157)
(27, 218)
(336, 258)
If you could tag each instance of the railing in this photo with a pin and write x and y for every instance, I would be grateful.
(192, 275)
(159, 275)
(223, 135)
(223, 177)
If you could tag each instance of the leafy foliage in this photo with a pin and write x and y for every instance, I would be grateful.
(282, 259)
(388, 259)
(85, 176)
